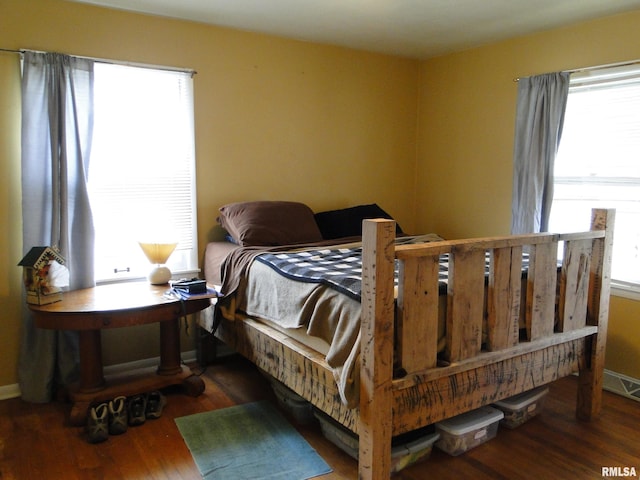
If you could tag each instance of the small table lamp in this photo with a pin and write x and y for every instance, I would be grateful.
(158, 253)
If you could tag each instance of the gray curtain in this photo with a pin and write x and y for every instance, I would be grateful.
(57, 123)
(539, 117)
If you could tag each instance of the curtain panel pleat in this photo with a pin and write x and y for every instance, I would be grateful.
(540, 108)
(57, 121)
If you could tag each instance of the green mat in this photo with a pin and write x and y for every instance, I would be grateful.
(251, 441)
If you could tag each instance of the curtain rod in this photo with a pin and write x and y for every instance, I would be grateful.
(112, 62)
(597, 67)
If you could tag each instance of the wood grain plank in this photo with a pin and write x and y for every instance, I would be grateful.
(541, 290)
(487, 358)
(487, 243)
(465, 303)
(574, 285)
(503, 298)
(592, 372)
(376, 349)
(417, 323)
(427, 402)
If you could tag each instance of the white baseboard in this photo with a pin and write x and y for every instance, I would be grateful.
(189, 356)
(9, 391)
(622, 385)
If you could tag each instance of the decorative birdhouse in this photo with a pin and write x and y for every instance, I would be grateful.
(36, 265)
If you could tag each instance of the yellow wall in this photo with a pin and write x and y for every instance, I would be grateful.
(465, 139)
(10, 218)
(274, 119)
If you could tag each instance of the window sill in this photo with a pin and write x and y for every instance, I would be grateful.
(625, 290)
(175, 276)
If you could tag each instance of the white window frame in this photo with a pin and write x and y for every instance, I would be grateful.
(592, 80)
(150, 223)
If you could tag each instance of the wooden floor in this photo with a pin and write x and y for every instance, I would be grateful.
(37, 443)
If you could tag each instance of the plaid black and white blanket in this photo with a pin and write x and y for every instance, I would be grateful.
(339, 268)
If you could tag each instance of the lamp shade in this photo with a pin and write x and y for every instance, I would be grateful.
(158, 253)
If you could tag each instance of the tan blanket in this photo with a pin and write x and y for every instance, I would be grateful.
(320, 310)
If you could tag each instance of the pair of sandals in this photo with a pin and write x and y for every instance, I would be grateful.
(114, 417)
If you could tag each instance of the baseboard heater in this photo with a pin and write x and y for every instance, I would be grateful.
(622, 385)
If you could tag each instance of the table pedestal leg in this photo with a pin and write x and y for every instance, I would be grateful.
(91, 376)
(169, 348)
(170, 362)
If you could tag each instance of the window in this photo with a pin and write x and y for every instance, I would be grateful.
(142, 169)
(598, 163)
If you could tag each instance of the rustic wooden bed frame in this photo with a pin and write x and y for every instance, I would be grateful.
(564, 311)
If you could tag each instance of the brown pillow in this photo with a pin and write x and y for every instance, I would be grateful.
(267, 223)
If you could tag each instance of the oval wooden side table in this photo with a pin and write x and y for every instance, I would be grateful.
(91, 310)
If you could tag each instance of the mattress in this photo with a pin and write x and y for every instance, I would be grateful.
(214, 256)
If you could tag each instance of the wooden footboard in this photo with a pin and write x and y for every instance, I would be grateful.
(502, 338)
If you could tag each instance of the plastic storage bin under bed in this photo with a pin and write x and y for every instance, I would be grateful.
(407, 449)
(461, 433)
(523, 407)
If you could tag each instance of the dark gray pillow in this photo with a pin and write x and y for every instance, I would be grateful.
(347, 222)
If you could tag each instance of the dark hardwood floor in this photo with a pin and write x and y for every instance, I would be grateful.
(36, 441)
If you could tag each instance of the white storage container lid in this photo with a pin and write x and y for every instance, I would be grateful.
(517, 402)
(473, 420)
(422, 443)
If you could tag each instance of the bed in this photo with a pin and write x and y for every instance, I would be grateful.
(515, 318)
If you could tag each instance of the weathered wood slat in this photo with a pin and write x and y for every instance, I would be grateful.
(488, 243)
(589, 402)
(503, 298)
(465, 304)
(376, 349)
(488, 358)
(590, 234)
(541, 290)
(427, 402)
(574, 285)
(417, 323)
